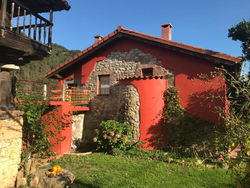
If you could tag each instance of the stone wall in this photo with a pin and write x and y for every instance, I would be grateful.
(122, 100)
(129, 111)
(10, 146)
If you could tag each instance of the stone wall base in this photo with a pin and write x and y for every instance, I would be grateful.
(10, 146)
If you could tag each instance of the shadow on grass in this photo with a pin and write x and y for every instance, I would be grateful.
(80, 184)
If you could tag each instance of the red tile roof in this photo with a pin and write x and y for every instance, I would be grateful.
(170, 43)
(142, 77)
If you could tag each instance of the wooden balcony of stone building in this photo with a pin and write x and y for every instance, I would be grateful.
(25, 33)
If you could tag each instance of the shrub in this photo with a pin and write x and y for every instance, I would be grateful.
(173, 111)
(38, 132)
(112, 134)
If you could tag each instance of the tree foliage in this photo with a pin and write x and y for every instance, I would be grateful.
(241, 32)
(35, 70)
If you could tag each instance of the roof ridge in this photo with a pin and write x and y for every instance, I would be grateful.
(121, 29)
(179, 43)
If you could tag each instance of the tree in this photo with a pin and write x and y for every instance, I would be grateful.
(241, 32)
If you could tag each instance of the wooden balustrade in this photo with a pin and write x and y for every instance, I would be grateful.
(76, 96)
(35, 27)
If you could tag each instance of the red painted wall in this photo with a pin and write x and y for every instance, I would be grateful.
(64, 111)
(193, 90)
(151, 106)
(88, 67)
(185, 67)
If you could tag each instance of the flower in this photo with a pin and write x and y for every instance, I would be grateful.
(248, 153)
(115, 140)
(112, 133)
(117, 136)
(233, 144)
(125, 138)
(105, 136)
(95, 139)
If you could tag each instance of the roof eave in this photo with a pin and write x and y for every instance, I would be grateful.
(216, 57)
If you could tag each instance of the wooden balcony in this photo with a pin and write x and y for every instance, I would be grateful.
(75, 96)
(24, 34)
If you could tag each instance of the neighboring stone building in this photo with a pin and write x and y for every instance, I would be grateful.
(128, 72)
(20, 42)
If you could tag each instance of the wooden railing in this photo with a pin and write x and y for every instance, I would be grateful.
(76, 96)
(25, 22)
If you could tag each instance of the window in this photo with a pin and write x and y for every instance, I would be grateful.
(147, 72)
(104, 85)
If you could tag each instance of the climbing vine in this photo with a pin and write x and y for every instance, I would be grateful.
(40, 132)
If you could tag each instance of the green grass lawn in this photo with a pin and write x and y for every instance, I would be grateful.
(100, 170)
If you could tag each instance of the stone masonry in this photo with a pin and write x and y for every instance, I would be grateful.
(129, 110)
(122, 104)
(10, 146)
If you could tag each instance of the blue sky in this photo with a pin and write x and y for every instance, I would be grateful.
(200, 23)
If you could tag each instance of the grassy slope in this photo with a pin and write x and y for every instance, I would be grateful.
(99, 170)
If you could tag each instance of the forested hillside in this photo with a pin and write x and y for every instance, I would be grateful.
(36, 69)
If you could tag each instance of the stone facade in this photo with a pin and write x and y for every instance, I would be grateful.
(122, 104)
(129, 110)
(10, 146)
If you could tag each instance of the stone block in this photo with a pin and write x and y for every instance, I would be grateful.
(40, 180)
(10, 146)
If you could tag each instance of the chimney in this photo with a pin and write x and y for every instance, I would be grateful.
(98, 38)
(166, 31)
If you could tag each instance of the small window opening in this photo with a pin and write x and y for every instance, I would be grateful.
(147, 72)
(104, 85)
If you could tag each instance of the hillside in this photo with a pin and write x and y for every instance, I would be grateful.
(36, 69)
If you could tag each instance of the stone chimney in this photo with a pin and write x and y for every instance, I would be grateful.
(166, 31)
(98, 38)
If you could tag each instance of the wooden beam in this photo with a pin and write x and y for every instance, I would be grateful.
(29, 32)
(12, 15)
(29, 11)
(18, 17)
(24, 19)
(50, 27)
(20, 43)
(31, 26)
(3, 13)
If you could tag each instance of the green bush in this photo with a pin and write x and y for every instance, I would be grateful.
(173, 111)
(38, 132)
(112, 134)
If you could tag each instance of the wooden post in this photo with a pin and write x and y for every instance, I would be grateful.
(24, 17)
(44, 33)
(45, 91)
(12, 15)
(63, 91)
(3, 13)
(39, 31)
(50, 27)
(34, 32)
(18, 17)
(30, 25)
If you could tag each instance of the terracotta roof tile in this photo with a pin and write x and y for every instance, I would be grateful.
(142, 77)
(170, 43)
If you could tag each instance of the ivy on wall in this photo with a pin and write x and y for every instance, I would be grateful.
(185, 130)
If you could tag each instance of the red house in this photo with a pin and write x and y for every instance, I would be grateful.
(127, 73)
